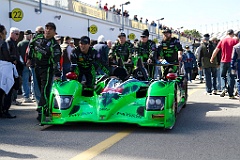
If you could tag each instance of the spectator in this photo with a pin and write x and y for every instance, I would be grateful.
(22, 48)
(39, 33)
(58, 39)
(235, 63)
(71, 44)
(113, 9)
(109, 44)
(12, 46)
(215, 41)
(188, 59)
(153, 24)
(141, 20)
(226, 46)
(135, 18)
(6, 72)
(102, 53)
(105, 7)
(210, 69)
(125, 13)
(146, 21)
(66, 53)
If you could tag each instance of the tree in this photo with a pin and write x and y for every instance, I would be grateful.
(193, 33)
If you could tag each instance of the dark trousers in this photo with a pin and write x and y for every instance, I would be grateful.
(90, 74)
(5, 100)
(44, 76)
(188, 73)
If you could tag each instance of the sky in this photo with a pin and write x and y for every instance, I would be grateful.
(206, 16)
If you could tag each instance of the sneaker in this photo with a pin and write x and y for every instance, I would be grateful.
(27, 100)
(236, 93)
(17, 103)
(222, 94)
(215, 92)
(232, 97)
(207, 93)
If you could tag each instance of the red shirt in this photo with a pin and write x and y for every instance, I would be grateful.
(105, 8)
(226, 46)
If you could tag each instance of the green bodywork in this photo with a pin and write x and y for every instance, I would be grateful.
(116, 101)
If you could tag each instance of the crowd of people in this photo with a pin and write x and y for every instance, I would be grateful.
(219, 60)
(43, 57)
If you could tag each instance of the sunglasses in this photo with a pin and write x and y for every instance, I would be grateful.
(17, 34)
(41, 32)
(143, 36)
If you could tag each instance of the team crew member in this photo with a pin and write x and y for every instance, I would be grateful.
(146, 50)
(121, 49)
(171, 50)
(84, 59)
(46, 53)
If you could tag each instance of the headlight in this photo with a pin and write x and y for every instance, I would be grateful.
(155, 103)
(62, 102)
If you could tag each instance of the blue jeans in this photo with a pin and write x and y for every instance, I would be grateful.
(238, 78)
(35, 87)
(188, 73)
(65, 70)
(210, 77)
(228, 79)
(25, 82)
(200, 72)
(218, 79)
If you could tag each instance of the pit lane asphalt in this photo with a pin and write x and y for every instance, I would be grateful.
(208, 128)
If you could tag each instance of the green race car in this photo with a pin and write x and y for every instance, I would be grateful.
(152, 103)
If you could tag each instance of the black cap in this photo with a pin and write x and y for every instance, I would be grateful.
(145, 33)
(122, 35)
(135, 40)
(186, 47)
(206, 35)
(167, 31)
(52, 25)
(84, 40)
(230, 31)
(27, 32)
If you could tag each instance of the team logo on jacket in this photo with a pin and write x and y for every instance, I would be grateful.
(80, 59)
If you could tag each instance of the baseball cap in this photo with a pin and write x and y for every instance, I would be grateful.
(28, 32)
(52, 25)
(230, 31)
(145, 33)
(167, 30)
(122, 35)
(186, 47)
(206, 37)
(84, 40)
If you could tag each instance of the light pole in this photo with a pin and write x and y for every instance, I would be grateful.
(237, 24)
(128, 2)
(179, 32)
(158, 20)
